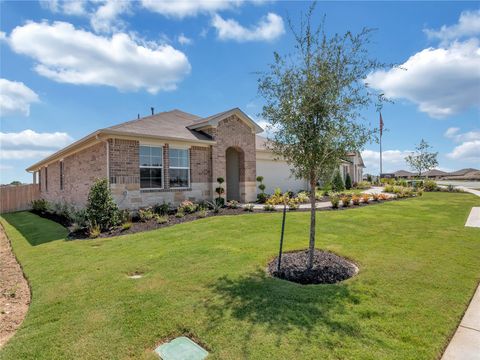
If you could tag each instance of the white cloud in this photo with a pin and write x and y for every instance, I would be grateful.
(5, 167)
(467, 151)
(28, 144)
(106, 15)
(67, 55)
(183, 40)
(187, 8)
(3, 36)
(268, 29)
(68, 7)
(469, 144)
(15, 98)
(442, 81)
(468, 26)
(392, 160)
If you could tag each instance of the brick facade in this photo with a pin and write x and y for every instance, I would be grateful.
(80, 172)
(233, 132)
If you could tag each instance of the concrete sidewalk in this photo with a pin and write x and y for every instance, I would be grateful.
(465, 344)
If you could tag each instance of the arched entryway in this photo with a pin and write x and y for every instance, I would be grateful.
(235, 172)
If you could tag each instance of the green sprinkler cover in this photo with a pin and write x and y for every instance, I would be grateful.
(181, 348)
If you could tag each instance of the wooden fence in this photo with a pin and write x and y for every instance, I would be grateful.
(18, 197)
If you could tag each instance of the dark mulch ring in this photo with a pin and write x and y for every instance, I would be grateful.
(328, 268)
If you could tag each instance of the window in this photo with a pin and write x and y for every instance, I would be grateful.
(61, 175)
(151, 167)
(179, 171)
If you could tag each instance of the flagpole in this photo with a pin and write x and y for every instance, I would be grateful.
(381, 170)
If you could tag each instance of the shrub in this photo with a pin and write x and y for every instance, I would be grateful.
(202, 213)
(126, 225)
(161, 209)
(232, 204)
(248, 207)
(161, 219)
(269, 207)
(220, 191)
(335, 200)
(94, 231)
(363, 185)
(337, 182)
(356, 199)
(293, 203)
(401, 182)
(214, 206)
(319, 194)
(348, 182)
(303, 197)
(80, 219)
(262, 198)
(179, 214)
(277, 198)
(365, 198)
(451, 188)
(40, 206)
(383, 197)
(187, 207)
(386, 181)
(430, 185)
(419, 192)
(375, 196)
(101, 209)
(145, 214)
(346, 200)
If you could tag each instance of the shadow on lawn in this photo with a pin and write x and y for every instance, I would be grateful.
(282, 306)
(34, 229)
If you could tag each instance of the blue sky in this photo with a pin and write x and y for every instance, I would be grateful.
(69, 68)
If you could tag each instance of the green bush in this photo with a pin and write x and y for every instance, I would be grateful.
(126, 225)
(430, 185)
(187, 207)
(40, 206)
(145, 214)
(335, 200)
(80, 219)
(248, 207)
(348, 182)
(232, 204)
(337, 182)
(262, 197)
(303, 197)
(179, 214)
(202, 213)
(101, 209)
(161, 219)
(161, 209)
(363, 185)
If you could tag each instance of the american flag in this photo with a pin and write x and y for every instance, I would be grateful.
(381, 125)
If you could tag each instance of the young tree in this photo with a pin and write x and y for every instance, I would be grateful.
(422, 159)
(337, 182)
(313, 100)
(348, 182)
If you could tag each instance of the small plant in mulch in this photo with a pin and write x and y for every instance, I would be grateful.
(248, 207)
(335, 201)
(365, 198)
(328, 268)
(161, 219)
(356, 199)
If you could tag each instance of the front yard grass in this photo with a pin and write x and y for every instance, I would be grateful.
(419, 267)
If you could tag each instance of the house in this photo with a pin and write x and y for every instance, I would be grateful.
(403, 174)
(434, 174)
(170, 157)
(463, 174)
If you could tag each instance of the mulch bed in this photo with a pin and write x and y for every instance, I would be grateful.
(14, 291)
(328, 268)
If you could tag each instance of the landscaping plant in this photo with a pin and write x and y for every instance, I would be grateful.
(348, 182)
(248, 207)
(356, 199)
(101, 209)
(365, 198)
(145, 214)
(161, 219)
(346, 200)
(337, 182)
(261, 197)
(335, 200)
(422, 159)
(220, 191)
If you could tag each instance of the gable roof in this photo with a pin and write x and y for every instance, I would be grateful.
(169, 124)
(215, 119)
(403, 173)
(434, 172)
(461, 172)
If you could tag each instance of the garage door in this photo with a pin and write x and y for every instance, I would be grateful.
(277, 174)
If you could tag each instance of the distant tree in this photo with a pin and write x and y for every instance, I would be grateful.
(348, 182)
(337, 182)
(369, 178)
(313, 98)
(422, 159)
(16, 182)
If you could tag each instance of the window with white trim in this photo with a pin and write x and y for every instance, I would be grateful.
(179, 168)
(151, 167)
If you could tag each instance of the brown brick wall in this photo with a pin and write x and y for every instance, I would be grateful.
(201, 164)
(80, 171)
(233, 132)
(124, 161)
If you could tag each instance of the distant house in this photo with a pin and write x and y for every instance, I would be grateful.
(434, 174)
(463, 174)
(170, 157)
(403, 174)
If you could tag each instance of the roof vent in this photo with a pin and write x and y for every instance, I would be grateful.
(153, 110)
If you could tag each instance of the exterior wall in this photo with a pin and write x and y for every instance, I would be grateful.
(233, 132)
(80, 172)
(276, 173)
(125, 176)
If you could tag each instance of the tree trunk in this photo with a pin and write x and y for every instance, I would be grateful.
(311, 248)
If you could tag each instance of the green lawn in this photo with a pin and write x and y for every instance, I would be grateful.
(419, 267)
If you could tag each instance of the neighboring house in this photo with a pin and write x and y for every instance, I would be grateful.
(463, 174)
(403, 174)
(434, 174)
(170, 157)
